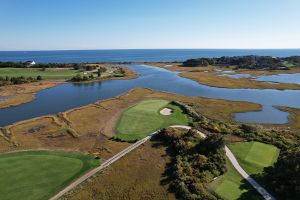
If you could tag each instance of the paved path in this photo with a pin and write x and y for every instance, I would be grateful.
(188, 127)
(238, 168)
(119, 155)
(250, 180)
(102, 166)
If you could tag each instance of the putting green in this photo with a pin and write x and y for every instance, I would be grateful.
(254, 156)
(232, 186)
(39, 174)
(144, 118)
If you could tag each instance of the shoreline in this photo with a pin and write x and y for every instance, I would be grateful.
(15, 95)
(84, 121)
(209, 76)
(23, 93)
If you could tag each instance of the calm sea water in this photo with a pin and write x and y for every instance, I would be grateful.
(137, 55)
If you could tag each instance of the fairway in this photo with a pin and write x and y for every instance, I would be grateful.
(37, 175)
(49, 73)
(254, 156)
(229, 185)
(144, 118)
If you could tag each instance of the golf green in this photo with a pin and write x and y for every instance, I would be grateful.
(144, 118)
(232, 186)
(36, 175)
(254, 156)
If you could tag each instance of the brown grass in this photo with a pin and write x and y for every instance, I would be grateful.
(208, 76)
(138, 175)
(24, 93)
(294, 118)
(19, 94)
(89, 128)
(267, 72)
(211, 79)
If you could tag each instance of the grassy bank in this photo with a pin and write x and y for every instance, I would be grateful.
(144, 118)
(23, 93)
(49, 73)
(212, 79)
(39, 174)
(140, 175)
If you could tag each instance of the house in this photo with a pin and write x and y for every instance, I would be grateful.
(29, 63)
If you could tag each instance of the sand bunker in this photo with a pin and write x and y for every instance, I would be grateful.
(166, 111)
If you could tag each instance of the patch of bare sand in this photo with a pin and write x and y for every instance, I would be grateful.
(166, 111)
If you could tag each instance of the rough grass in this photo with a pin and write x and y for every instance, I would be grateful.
(144, 118)
(139, 175)
(254, 156)
(34, 72)
(212, 79)
(294, 118)
(232, 186)
(39, 174)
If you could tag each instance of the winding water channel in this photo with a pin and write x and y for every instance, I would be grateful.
(68, 96)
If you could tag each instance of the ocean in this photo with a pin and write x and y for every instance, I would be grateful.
(136, 55)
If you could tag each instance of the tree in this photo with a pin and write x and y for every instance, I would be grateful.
(284, 177)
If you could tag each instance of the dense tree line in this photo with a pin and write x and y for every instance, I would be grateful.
(284, 177)
(195, 162)
(281, 139)
(80, 78)
(250, 62)
(75, 66)
(18, 80)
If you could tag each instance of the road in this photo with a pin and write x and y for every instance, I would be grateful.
(119, 155)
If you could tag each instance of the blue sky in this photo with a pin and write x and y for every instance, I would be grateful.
(142, 24)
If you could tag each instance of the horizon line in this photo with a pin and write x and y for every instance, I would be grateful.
(157, 49)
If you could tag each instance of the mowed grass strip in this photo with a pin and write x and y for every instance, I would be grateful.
(144, 118)
(254, 156)
(49, 73)
(36, 175)
(232, 186)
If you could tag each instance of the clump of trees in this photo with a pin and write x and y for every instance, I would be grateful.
(75, 66)
(79, 78)
(195, 163)
(283, 140)
(100, 71)
(119, 72)
(284, 177)
(18, 80)
(249, 62)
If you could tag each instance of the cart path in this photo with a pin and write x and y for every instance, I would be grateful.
(119, 155)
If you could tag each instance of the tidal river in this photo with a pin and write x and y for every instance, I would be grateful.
(68, 96)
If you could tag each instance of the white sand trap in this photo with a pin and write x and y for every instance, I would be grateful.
(166, 111)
